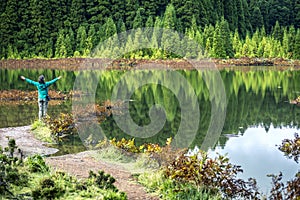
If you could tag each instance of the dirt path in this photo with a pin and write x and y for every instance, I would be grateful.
(25, 141)
(80, 164)
(75, 164)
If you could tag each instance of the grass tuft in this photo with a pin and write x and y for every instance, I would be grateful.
(41, 131)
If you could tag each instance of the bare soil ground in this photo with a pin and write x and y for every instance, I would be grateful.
(78, 164)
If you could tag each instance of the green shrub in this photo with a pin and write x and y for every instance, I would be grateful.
(36, 163)
(61, 126)
(204, 172)
(47, 189)
(10, 173)
(102, 180)
(41, 183)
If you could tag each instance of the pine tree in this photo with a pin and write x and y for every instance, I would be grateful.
(139, 41)
(168, 35)
(8, 25)
(291, 33)
(10, 52)
(131, 8)
(202, 16)
(151, 7)
(40, 26)
(211, 14)
(218, 49)
(296, 12)
(22, 36)
(219, 8)
(110, 28)
(149, 26)
(230, 14)
(255, 40)
(264, 9)
(225, 31)
(81, 37)
(257, 20)
(118, 9)
(247, 16)
(286, 44)
(88, 46)
(277, 33)
(49, 48)
(70, 43)
(149, 22)
(138, 20)
(236, 44)
(121, 26)
(121, 29)
(129, 46)
(60, 46)
(94, 39)
(280, 10)
(241, 19)
(185, 9)
(3, 6)
(222, 44)
(296, 52)
(169, 19)
(249, 47)
(71, 46)
(98, 12)
(157, 33)
(77, 13)
(59, 15)
(31, 28)
(261, 47)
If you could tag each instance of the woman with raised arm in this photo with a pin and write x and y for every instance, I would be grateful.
(43, 98)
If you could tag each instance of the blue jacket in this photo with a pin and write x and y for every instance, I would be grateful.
(42, 87)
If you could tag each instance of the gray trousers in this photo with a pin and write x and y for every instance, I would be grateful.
(43, 105)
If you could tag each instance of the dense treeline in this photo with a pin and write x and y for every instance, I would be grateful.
(231, 28)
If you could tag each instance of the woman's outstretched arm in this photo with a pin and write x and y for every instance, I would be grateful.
(52, 81)
(29, 81)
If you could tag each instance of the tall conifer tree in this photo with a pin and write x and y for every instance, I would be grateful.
(131, 8)
(8, 24)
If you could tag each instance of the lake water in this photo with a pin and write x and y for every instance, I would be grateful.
(257, 113)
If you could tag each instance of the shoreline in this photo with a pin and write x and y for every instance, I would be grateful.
(72, 64)
(25, 140)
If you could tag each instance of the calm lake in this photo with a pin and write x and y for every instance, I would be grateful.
(258, 115)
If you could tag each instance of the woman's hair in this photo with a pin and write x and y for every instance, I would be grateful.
(41, 79)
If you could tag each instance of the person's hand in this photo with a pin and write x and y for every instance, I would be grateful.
(59, 77)
(23, 78)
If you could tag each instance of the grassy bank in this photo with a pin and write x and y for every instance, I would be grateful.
(167, 172)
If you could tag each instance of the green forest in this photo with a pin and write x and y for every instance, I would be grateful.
(224, 29)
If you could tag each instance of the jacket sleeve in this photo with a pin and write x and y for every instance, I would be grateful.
(31, 82)
(51, 82)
